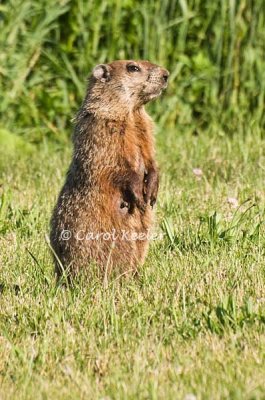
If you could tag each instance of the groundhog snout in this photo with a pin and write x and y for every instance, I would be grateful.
(159, 76)
(165, 75)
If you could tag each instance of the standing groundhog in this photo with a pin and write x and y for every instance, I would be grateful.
(105, 209)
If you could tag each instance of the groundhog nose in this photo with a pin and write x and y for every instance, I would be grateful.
(165, 75)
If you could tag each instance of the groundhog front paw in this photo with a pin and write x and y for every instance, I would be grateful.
(132, 204)
(151, 184)
(135, 199)
(132, 191)
(133, 195)
(141, 205)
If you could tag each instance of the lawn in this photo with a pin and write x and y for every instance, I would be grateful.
(191, 325)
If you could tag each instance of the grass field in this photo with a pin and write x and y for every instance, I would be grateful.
(192, 325)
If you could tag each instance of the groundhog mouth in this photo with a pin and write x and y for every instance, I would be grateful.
(153, 93)
(157, 92)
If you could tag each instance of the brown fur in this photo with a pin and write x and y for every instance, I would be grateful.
(112, 182)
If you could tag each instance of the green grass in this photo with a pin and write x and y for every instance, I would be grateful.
(191, 326)
(192, 323)
(213, 49)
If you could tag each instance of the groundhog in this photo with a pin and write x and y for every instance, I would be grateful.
(105, 209)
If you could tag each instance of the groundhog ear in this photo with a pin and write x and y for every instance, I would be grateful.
(102, 72)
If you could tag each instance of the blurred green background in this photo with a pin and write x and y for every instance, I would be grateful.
(215, 51)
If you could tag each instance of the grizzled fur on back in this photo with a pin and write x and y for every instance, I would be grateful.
(106, 203)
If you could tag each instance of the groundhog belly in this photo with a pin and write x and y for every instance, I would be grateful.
(120, 238)
(101, 232)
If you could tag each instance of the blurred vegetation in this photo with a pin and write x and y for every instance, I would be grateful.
(213, 49)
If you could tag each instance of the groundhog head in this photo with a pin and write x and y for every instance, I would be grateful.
(125, 85)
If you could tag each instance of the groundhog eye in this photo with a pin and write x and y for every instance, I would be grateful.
(133, 68)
